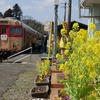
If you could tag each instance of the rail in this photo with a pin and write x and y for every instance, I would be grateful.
(20, 53)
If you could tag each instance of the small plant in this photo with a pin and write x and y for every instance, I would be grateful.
(44, 67)
(40, 91)
(41, 79)
(60, 58)
(82, 68)
(61, 77)
(62, 95)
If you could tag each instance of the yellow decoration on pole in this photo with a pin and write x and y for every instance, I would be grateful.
(50, 38)
(64, 38)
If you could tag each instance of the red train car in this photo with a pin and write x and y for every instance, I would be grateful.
(15, 35)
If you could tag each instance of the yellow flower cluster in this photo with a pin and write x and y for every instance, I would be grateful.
(65, 67)
(43, 67)
(97, 34)
(75, 26)
(63, 92)
(71, 34)
(92, 26)
(68, 45)
(83, 63)
(66, 52)
(63, 32)
(62, 67)
(60, 58)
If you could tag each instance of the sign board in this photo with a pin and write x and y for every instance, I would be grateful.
(47, 26)
(3, 37)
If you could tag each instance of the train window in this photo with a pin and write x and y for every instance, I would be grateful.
(15, 30)
(4, 30)
(4, 22)
(12, 30)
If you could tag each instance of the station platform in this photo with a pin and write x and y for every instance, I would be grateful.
(9, 71)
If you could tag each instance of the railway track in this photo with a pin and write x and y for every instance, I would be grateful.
(3, 56)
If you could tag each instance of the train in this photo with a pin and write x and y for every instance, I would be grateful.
(15, 35)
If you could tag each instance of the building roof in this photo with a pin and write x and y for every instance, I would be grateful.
(90, 2)
(81, 25)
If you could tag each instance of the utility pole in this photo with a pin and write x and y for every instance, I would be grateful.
(55, 27)
(65, 12)
(69, 14)
(65, 5)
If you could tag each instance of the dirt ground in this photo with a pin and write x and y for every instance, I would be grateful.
(16, 84)
(17, 80)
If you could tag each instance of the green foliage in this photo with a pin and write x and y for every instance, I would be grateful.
(17, 12)
(58, 48)
(35, 25)
(91, 97)
(8, 13)
(1, 15)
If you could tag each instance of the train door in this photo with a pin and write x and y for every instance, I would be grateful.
(25, 38)
(3, 36)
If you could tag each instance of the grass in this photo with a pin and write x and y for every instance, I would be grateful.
(21, 88)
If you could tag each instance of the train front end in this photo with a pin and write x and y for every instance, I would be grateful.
(10, 36)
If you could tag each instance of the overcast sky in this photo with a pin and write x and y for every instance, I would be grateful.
(43, 10)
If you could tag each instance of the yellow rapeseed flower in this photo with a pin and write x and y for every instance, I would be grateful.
(72, 34)
(63, 32)
(92, 26)
(81, 76)
(96, 34)
(79, 85)
(62, 67)
(93, 74)
(66, 52)
(58, 55)
(67, 63)
(75, 26)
